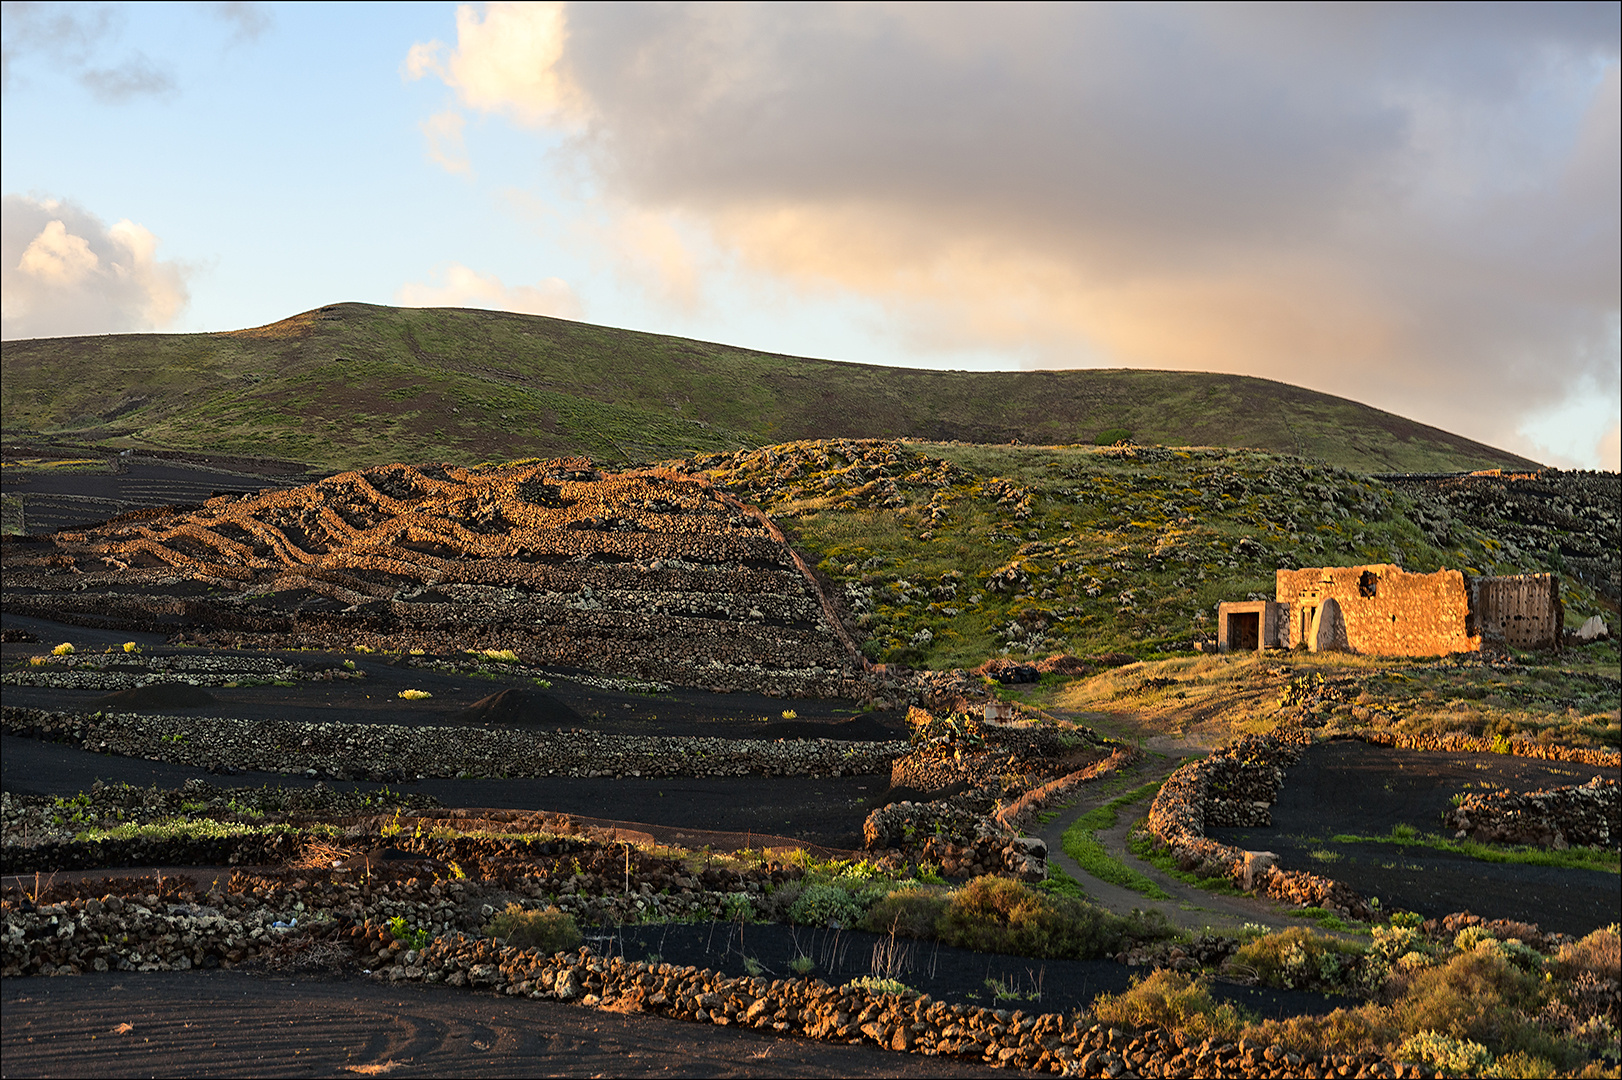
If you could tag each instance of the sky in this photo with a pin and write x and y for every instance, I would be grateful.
(1412, 205)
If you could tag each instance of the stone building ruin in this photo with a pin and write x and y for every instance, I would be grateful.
(1382, 610)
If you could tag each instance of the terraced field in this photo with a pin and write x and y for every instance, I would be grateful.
(72, 489)
(652, 575)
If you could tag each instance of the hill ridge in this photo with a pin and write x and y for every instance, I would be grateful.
(351, 384)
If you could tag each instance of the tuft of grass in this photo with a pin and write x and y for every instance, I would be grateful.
(993, 914)
(1173, 1000)
(414, 695)
(1573, 858)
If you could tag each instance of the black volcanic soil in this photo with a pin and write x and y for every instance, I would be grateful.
(232, 1023)
(1352, 788)
(828, 811)
(76, 498)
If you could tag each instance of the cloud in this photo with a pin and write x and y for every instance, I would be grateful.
(73, 39)
(248, 22)
(462, 287)
(1609, 451)
(446, 148)
(62, 272)
(1412, 205)
(506, 61)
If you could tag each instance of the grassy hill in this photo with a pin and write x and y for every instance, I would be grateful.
(359, 384)
(946, 554)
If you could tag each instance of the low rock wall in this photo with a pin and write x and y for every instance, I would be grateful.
(257, 848)
(1479, 744)
(391, 752)
(1585, 814)
(1235, 785)
(144, 933)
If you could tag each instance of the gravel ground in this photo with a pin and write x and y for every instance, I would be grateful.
(1351, 787)
(230, 1023)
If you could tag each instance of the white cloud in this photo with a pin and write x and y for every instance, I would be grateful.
(446, 146)
(65, 273)
(506, 61)
(1415, 206)
(458, 286)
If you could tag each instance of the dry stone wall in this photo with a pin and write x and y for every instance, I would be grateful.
(1557, 818)
(647, 574)
(1235, 785)
(392, 752)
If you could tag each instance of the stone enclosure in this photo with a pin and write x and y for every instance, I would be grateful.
(1382, 610)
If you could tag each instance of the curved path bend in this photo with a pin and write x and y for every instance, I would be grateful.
(1190, 907)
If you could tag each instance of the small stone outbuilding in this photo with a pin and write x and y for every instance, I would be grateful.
(1382, 610)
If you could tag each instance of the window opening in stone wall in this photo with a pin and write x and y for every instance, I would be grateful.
(1368, 584)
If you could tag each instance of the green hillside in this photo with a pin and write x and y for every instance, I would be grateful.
(943, 555)
(358, 384)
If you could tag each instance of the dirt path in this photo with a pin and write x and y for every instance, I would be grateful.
(1189, 908)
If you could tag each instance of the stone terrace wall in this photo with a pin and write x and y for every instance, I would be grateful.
(1479, 744)
(1234, 786)
(1408, 615)
(380, 751)
(646, 574)
(1556, 818)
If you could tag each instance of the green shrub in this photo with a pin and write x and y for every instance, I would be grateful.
(1299, 959)
(549, 931)
(1172, 1000)
(819, 905)
(1448, 1054)
(402, 932)
(994, 914)
(910, 913)
(1480, 996)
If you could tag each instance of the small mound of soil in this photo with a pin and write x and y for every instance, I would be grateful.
(159, 696)
(856, 729)
(517, 706)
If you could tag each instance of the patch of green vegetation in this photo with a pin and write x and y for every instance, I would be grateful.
(181, 829)
(1146, 847)
(1329, 920)
(945, 554)
(547, 930)
(357, 384)
(1081, 843)
(1573, 858)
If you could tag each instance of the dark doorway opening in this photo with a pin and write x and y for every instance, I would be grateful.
(1245, 631)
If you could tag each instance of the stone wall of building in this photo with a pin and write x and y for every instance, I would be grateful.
(1385, 610)
(1523, 611)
